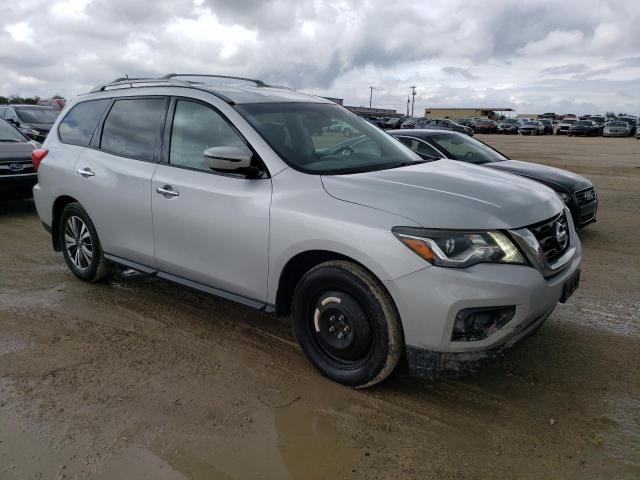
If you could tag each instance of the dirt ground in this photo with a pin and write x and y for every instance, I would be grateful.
(139, 378)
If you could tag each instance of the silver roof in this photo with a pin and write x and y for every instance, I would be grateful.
(256, 91)
(251, 94)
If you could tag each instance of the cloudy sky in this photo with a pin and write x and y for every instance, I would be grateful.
(563, 55)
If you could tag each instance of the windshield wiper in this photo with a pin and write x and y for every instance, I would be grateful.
(13, 140)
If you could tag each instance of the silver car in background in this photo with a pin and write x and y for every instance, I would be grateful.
(531, 127)
(244, 191)
(616, 129)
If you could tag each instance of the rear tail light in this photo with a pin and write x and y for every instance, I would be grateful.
(37, 156)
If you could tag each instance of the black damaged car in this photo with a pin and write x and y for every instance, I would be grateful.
(577, 192)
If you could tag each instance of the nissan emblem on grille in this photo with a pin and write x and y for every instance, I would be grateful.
(16, 167)
(561, 233)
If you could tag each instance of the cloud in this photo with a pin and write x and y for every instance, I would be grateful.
(536, 55)
(463, 72)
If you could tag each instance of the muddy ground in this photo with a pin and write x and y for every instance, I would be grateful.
(139, 378)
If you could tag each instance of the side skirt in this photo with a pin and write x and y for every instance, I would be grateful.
(250, 302)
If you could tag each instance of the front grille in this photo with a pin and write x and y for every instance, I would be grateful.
(587, 195)
(15, 167)
(547, 234)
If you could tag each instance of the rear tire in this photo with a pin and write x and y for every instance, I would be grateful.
(81, 246)
(347, 324)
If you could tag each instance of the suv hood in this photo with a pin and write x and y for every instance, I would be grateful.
(569, 181)
(449, 194)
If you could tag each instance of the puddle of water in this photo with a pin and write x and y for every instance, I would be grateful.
(138, 463)
(24, 450)
(290, 440)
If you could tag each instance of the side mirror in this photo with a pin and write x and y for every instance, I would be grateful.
(15, 123)
(228, 159)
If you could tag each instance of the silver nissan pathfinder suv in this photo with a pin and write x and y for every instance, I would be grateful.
(245, 191)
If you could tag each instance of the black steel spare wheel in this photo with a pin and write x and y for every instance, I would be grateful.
(347, 324)
(341, 327)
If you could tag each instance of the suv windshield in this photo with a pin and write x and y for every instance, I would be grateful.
(509, 121)
(9, 134)
(462, 147)
(586, 123)
(303, 136)
(37, 115)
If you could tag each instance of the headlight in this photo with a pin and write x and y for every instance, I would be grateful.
(459, 249)
(565, 197)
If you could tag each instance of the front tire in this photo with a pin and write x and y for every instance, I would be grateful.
(347, 324)
(81, 246)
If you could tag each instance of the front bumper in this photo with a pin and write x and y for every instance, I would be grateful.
(429, 300)
(17, 185)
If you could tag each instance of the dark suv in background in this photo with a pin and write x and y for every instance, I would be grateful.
(508, 126)
(33, 120)
(586, 128)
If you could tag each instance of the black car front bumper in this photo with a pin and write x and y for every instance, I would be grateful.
(17, 185)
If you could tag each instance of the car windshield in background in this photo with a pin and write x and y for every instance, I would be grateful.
(301, 133)
(617, 124)
(629, 120)
(462, 147)
(571, 120)
(534, 124)
(37, 115)
(586, 123)
(510, 121)
(9, 134)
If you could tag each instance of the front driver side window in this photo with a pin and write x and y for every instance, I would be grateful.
(197, 127)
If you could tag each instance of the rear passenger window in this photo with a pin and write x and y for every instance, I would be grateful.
(79, 124)
(197, 127)
(133, 128)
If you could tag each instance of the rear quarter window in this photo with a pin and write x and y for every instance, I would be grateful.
(78, 125)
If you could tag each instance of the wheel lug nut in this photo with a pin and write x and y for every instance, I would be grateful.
(332, 329)
(340, 335)
(341, 318)
(332, 319)
(347, 328)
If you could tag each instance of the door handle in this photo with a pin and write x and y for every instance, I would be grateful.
(85, 172)
(167, 191)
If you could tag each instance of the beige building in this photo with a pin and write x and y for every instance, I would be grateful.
(482, 112)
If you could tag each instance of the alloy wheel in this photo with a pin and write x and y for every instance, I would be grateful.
(77, 240)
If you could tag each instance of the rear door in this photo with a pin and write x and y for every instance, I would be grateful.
(212, 228)
(116, 174)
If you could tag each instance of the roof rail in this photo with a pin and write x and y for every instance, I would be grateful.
(259, 83)
(154, 82)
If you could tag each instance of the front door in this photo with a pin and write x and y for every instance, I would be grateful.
(210, 228)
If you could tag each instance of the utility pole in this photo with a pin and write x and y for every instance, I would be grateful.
(413, 100)
(408, 102)
(371, 89)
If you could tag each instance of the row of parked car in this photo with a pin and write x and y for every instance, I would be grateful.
(591, 125)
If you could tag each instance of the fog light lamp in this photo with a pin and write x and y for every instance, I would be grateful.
(474, 324)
